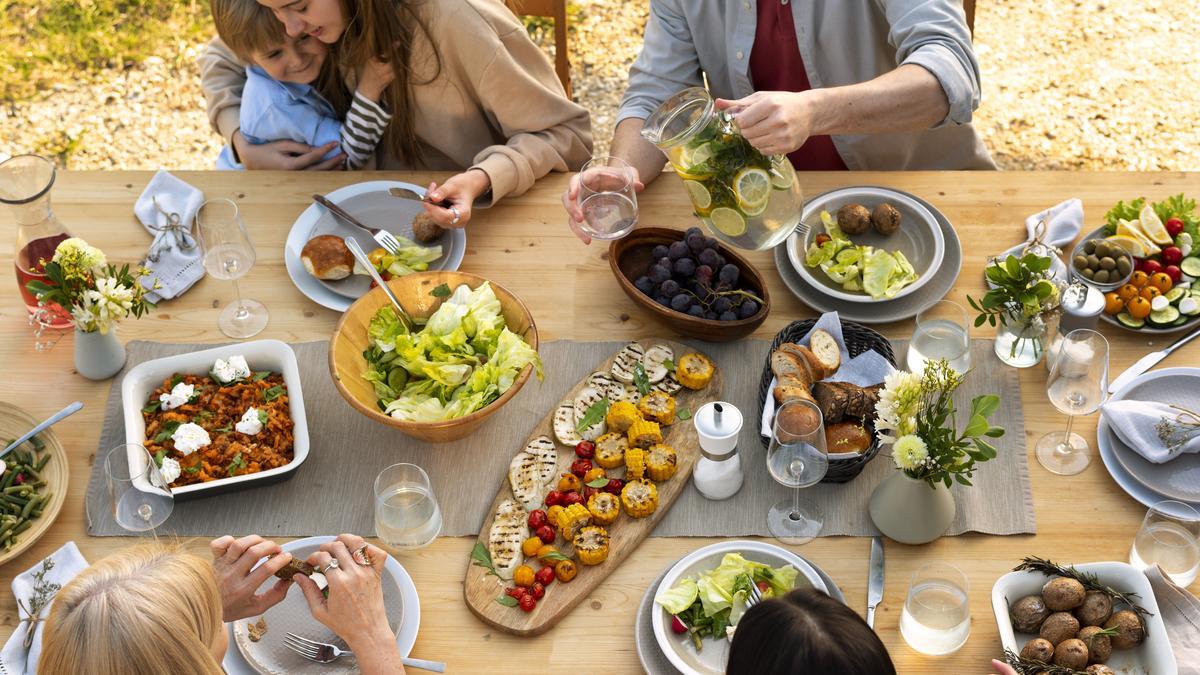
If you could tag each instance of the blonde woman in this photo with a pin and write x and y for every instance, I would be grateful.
(158, 609)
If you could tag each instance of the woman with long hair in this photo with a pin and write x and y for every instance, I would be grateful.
(471, 93)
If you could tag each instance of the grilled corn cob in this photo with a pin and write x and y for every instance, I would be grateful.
(622, 415)
(635, 463)
(604, 507)
(661, 462)
(610, 450)
(657, 406)
(640, 498)
(591, 544)
(644, 434)
(694, 371)
(573, 518)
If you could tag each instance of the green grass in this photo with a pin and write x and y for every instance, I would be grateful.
(47, 41)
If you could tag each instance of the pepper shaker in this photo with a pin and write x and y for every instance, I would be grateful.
(718, 473)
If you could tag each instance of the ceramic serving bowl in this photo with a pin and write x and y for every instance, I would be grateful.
(349, 341)
(1102, 287)
(919, 238)
(631, 256)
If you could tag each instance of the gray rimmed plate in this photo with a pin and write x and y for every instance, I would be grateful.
(888, 311)
(1180, 478)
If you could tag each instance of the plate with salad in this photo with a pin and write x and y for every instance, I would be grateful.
(701, 598)
(866, 245)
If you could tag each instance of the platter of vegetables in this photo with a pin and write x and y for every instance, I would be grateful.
(33, 482)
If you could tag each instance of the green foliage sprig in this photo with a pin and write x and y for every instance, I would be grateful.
(1022, 290)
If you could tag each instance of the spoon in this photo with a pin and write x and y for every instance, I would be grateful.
(363, 260)
(53, 419)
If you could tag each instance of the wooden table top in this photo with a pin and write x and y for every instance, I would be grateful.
(525, 245)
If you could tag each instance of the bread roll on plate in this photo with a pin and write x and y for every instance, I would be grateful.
(326, 257)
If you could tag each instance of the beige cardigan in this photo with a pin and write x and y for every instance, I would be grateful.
(496, 104)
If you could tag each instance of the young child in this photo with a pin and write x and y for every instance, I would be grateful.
(279, 101)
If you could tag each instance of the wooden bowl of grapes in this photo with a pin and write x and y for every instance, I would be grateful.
(690, 282)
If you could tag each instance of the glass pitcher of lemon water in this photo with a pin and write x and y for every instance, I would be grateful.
(744, 197)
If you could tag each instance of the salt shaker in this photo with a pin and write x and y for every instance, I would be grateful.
(718, 474)
(1081, 308)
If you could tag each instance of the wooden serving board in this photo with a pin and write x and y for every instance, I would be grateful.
(480, 588)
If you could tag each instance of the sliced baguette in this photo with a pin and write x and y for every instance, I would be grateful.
(789, 365)
(815, 365)
(826, 350)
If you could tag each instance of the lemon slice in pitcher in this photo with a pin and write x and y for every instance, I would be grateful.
(728, 221)
(782, 174)
(753, 188)
(701, 197)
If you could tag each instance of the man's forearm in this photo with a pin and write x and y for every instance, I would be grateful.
(638, 152)
(908, 98)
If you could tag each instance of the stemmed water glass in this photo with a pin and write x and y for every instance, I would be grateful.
(1169, 540)
(607, 198)
(1077, 386)
(797, 458)
(229, 254)
(141, 499)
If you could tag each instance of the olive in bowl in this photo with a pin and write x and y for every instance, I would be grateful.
(1101, 264)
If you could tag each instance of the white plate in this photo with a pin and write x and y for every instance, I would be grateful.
(1152, 657)
(145, 377)
(1180, 478)
(270, 656)
(370, 203)
(919, 238)
(711, 661)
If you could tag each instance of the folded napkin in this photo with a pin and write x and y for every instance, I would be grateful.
(167, 209)
(14, 659)
(866, 369)
(1180, 612)
(1063, 222)
(1135, 424)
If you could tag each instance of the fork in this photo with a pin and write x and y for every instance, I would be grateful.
(754, 597)
(383, 237)
(322, 652)
(802, 230)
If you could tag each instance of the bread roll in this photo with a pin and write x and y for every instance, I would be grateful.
(796, 419)
(326, 257)
(846, 437)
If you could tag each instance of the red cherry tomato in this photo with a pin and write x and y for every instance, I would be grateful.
(538, 590)
(614, 486)
(585, 450)
(1152, 267)
(1171, 255)
(514, 592)
(572, 498)
(544, 576)
(385, 275)
(581, 466)
(588, 492)
(527, 603)
(554, 498)
(1174, 272)
(546, 533)
(1174, 226)
(822, 238)
(537, 518)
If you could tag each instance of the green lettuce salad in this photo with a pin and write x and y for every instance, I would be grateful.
(408, 258)
(878, 273)
(462, 359)
(716, 599)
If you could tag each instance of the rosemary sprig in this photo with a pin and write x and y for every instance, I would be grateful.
(43, 593)
(1035, 667)
(1089, 581)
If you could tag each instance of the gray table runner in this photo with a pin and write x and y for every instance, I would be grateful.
(331, 491)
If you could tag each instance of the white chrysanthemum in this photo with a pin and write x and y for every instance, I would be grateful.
(77, 257)
(910, 452)
(898, 405)
(112, 300)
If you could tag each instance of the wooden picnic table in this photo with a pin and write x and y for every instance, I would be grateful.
(525, 245)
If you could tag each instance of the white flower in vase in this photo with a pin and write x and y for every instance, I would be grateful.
(898, 406)
(910, 452)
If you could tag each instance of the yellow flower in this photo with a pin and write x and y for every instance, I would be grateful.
(909, 452)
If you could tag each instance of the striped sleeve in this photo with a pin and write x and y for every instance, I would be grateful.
(362, 129)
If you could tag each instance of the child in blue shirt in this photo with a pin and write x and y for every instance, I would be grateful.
(280, 102)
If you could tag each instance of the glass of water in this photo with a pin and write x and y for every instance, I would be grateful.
(407, 515)
(607, 198)
(936, 619)
(942, 333)
(797, 458)
(229, 255)
(141, 499)
(1077, 385)
(1170, 541)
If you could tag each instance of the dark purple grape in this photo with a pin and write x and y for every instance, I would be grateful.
(704, 274)
(722, 305)
(681, 302)
(685, 267)
(693, 231)
(710, 242)
(710, 315)
(729, 274)
(695, 242)
(669, 287)
(695, 310)
(708, 257)
(663, 300)
(659, 251)
(677, 250)
(720, 262)
(644, 285)
(727, 316)
(747, 309)
(721, 287)
(660, 273)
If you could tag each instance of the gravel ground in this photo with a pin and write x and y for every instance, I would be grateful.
(1074, 84)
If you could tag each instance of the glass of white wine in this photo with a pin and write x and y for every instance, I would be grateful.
(229, 254)
(936, 619)
(1169, 541)
(1077, 385)
(141, 499)
(942, 333)
(797, 458)
(607, 198)
(407, 515)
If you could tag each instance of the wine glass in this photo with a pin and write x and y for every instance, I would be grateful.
(1077, 386)
(141, 499)
(407, 515)
(936, 618)
(229, 254)
(607, 198)
(942, 333)
(798, 459)
(1169, 541)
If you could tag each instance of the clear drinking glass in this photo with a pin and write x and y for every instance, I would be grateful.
(797, 458)
(1077, 385)
(140, 500)
(1169, 541)
(407, 515)
(936, 618)
(607, 198)
(229, 254)
(942, 333)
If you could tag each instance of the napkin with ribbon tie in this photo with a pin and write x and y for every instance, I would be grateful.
(1137, 424)
(20, 654)
(167, 209)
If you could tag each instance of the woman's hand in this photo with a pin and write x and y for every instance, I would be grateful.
(374, 77)
(570, 201)
(461, 191)
(232, 563)
(286, 155)
(354, 609)
(775, 122)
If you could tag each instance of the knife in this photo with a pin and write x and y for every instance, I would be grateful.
(874, 580)
(1149, 361)
(405, 193)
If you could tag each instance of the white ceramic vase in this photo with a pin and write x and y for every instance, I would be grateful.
(907, 510)
(98, 356)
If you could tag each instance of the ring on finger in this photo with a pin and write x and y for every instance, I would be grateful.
(333, 564)
(362, 556)
(457, 215)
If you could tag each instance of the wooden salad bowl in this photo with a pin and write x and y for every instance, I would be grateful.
(630, 256)
(349, 341)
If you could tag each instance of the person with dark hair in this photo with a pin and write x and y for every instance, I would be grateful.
(806, 631)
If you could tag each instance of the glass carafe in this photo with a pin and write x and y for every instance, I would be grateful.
(25, 182)
(745, 198)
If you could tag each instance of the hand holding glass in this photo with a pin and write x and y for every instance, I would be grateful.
(797, 458)
(1077, 385)
(607, 198)
(141, 499)
(229, 254)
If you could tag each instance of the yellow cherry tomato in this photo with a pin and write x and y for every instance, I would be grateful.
(1138, 308)
(592, 475)
(569, 482)
(1161, 281)
(552, 514)
(376, 256)
(1139, 279)
(530, 546)
(565, 570)
(545, 554)
(523, 576)
(1113, 304)
(1128, 292)
(1150, 292)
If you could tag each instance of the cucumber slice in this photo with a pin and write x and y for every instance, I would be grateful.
(1181, 320)
(1190, 266)
(1126, 319)
(1165, 316)
(1174, 294)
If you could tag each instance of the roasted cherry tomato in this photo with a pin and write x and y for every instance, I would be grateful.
(1127, 292)
(569, 482)
(546, 533)
(565, 570)
(1139, 278)
(514, 592)
(1113, 304)
(1138, 308)
(572, 498)
(544, 576)
(527, 603)
(530, 546)
(538, 590)
(523, 576)
(1150, 292)
(581, 466)
(614, 486)
(822, 238)
(1174, 226)
(588, 492)
(1161, 281)
(537, 518)
(593, 474)
(545, 553)
(554, 498)
(585, 449)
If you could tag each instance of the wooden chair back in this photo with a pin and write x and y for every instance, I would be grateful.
(556, 10)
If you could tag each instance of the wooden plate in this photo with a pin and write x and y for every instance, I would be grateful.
(14, 423)
(480, 589)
